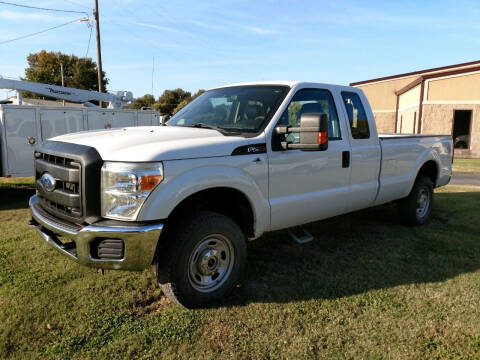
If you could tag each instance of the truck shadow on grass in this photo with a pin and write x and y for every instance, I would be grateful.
(15, 194)
(364, 251)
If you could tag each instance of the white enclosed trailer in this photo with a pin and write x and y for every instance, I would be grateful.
(24, 126)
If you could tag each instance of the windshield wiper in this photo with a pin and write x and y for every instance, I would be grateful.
(206, 126)
(213, 127)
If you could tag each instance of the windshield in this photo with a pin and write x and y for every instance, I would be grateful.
(236, 109)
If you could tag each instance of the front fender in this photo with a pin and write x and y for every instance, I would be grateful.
(178, 186)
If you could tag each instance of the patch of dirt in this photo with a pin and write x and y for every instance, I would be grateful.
(217, 336)
(152, 305)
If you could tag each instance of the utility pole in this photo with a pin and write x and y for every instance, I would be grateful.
(63, 81)
(99, 51)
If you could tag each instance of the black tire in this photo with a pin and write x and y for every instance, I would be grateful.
(189, 270)
(415, 209)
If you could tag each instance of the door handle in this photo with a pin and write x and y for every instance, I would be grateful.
(345, 159)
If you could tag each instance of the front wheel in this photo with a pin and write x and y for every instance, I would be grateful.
(415, 209)
(204, 259)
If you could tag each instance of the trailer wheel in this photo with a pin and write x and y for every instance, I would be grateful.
(203, 260)
(415, 209)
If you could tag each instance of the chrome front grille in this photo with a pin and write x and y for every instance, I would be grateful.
(64, 198)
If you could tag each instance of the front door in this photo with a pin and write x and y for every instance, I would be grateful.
(306, 186)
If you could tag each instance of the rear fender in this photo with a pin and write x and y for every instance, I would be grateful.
(427, 155)
(399, 186)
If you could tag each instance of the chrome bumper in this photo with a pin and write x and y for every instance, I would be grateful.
(139, 241)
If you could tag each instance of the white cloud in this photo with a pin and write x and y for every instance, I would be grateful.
(159, 27)
(208, 25)
(262, 31)
(31, 16)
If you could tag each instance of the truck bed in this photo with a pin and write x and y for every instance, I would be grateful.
(402, 155)
(408, 136)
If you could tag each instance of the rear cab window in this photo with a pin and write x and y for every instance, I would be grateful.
(357, 116)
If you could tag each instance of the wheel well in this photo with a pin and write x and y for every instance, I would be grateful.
(429, 169)
(227, 201)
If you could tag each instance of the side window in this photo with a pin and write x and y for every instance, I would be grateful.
(311, 101)
(356, 115)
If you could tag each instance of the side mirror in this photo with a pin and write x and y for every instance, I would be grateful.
(313, 133)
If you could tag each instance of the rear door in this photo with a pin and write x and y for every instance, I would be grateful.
(365, 150)
(98, 119)
(144, 118)
(305, 186)
(147, 118)
(123, 119)
(55, 122)
(21, 138)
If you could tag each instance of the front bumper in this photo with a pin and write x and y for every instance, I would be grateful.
(76, 242)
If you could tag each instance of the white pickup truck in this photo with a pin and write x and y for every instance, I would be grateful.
(237, 162)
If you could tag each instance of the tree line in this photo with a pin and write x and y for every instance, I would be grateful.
(81, 73)
(169, 103)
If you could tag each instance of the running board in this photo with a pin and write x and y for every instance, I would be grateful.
(300, 234)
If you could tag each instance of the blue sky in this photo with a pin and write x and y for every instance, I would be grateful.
(202, 44)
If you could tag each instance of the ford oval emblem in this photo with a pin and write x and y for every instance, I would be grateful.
(48, 182)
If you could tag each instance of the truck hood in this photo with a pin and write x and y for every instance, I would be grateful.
(156, 143)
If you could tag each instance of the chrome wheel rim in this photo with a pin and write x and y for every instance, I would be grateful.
(423, 203)
(211, 263)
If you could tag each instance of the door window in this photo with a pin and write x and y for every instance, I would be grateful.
(311, 101)
(356, 115)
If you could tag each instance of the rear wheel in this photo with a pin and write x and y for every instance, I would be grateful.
(415, 209)
(203, 261)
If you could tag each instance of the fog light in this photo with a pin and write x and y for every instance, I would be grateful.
(107, 249)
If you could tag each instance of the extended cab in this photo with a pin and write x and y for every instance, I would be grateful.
(237, 162)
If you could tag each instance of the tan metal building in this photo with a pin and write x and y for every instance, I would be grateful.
(444, 100)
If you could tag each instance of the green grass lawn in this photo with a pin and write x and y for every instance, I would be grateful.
(367, 287)
(469, 166)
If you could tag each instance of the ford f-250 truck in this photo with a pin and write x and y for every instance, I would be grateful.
(237, 162)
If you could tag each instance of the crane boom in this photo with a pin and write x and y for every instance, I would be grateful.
(116, 100)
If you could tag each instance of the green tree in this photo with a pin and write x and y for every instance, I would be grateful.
(80, 73)
(170, 99)
(293, 111)
(145, 101)
(184, 102)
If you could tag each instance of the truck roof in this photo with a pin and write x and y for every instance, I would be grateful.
(289, 83)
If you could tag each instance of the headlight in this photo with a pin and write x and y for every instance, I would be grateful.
(125, 186)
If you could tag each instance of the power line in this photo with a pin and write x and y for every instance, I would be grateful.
(42, 8)
(89, 38)
(39, 32)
